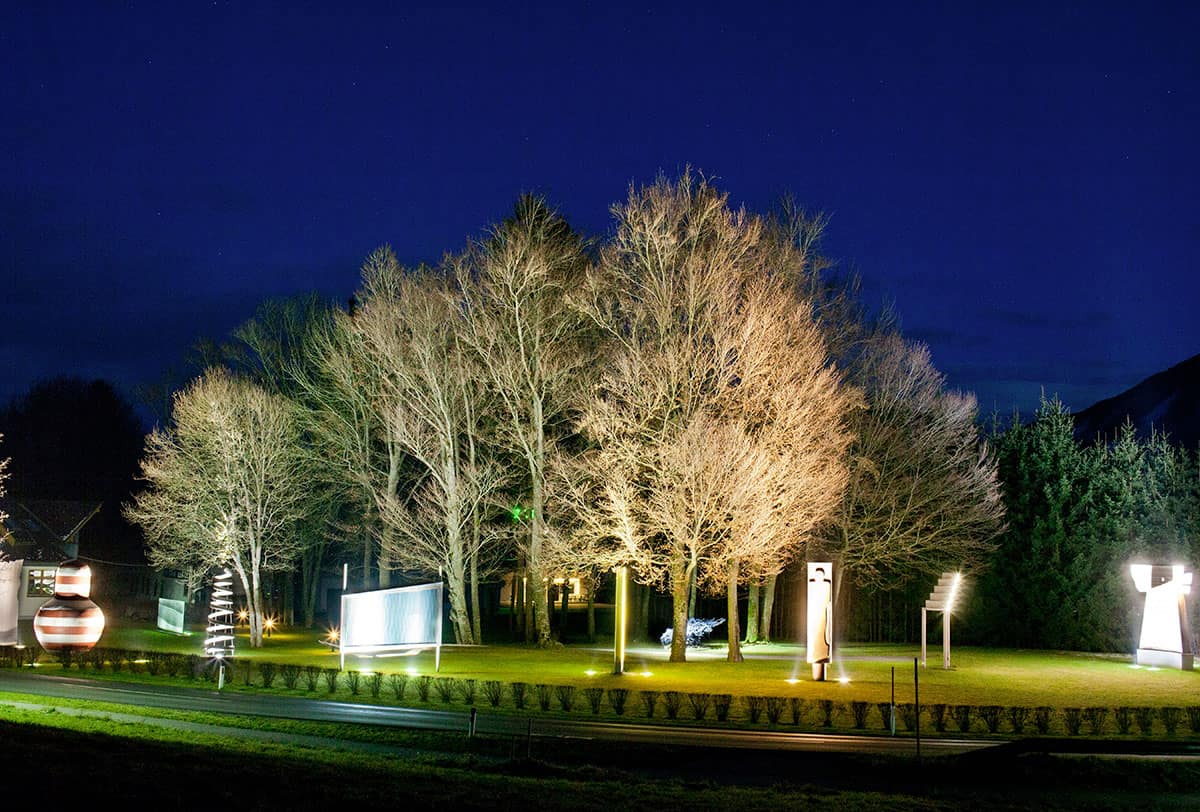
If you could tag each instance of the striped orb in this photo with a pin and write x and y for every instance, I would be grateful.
(69, 620)
(73, 580)
(68, 623)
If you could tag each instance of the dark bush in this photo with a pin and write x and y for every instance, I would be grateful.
(353, 680)
(775, 706)
(595, 698)
(1041, 719)
(545, 693)
(446, 688)
(493, 691)
(1123, 716)
(990, 714)
(1193, 715)
(885, 714)
(398, 683)
(174, 664)
(700, 704)
(672, 701)
(938, 713)
(721, 703)
(331, 679)
(754, 706)
(154, 664)
(908, 715)
(1145, 720)
(195, 665)
(266, 674)
(312, 675)
(375, 683)
(424, 687)
(1072, 719)
(829, 710)
(798, 708)
(566, 696)
(64, 658)
(519, 690)
(617, 698)
(1095, 718)
(467, 686)
(290, 674)
(962, 717)
(1170, 718)
(649, 700)
(1016, 718)
(859, 711)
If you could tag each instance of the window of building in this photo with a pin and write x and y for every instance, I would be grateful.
(41, 584)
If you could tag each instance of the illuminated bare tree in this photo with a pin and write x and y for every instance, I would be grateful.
(923, 494)
(411, 324)
(530, 345)
(719, 422)
(225, 485)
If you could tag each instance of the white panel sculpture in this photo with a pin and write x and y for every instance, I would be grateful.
(819, 651)
(1166, 638)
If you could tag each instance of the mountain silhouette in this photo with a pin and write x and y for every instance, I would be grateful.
(1168, 401)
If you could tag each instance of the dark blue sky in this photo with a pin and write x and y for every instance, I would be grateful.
(1021, 180)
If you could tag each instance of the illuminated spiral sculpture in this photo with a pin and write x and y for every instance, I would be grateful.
(69, 621)
(219, 642)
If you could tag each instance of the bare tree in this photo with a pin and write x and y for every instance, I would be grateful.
(515, 288)
(411, 323)
(719, 421)
(226, 483)
(3, 476)
(923, 494)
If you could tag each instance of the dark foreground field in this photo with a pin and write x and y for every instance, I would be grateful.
(128, 768)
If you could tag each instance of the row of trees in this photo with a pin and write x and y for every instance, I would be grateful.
(1078, 515)
(694, 397)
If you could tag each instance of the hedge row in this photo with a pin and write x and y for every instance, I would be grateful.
(774, 710)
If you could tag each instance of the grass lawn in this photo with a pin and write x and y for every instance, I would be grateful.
(979, 676)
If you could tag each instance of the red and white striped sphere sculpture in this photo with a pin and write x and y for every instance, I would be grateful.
(69, 620)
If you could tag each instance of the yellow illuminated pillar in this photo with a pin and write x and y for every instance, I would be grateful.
(620, 614)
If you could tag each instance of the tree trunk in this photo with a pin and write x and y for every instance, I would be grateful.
(768, 605)
(253, 592)
(564, 613)
(731, 607)
(752, 614)
(385, 570)
(537, 577)
(476, 623)
(288, 613)
(679, 609)
(643, 630)
(691, 606)
(366, 578)
(591, 608)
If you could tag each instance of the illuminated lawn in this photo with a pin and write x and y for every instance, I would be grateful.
(979, 676)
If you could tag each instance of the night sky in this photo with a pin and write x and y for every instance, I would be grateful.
(1021, 180)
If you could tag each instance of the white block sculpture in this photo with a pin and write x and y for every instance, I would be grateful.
(1166, 638)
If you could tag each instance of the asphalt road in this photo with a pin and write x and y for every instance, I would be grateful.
(494, 724)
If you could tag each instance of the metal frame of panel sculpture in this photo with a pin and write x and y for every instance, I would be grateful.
(10, 601)
(819, 647)
(1166, 638)
(402, 619)
(218, 642)
(70, 621)
(942, 600)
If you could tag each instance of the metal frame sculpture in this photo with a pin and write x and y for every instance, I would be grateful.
(1166, 638)
(219, 640)
(941, 600)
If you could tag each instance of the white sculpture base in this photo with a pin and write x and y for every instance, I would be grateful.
(1165, 659)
